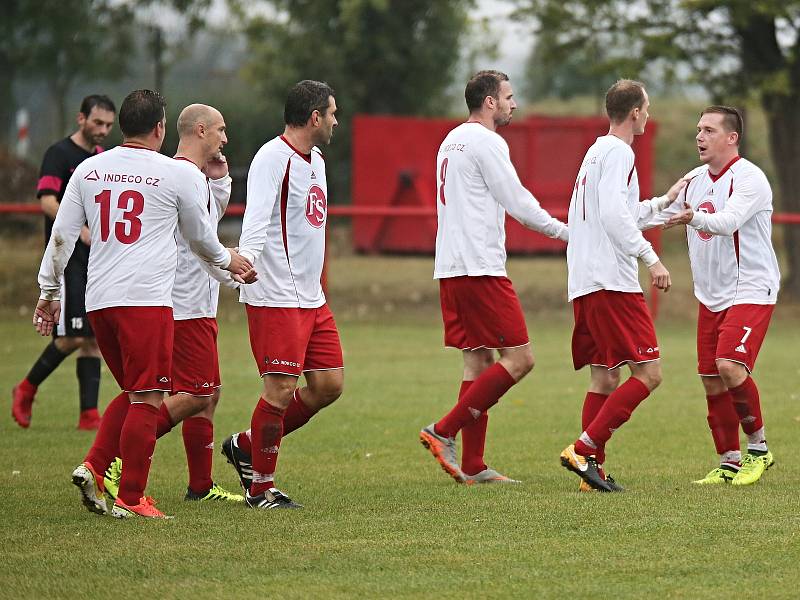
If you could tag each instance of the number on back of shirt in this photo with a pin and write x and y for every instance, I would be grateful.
(129, 228)
(442, 175)
(580, 182)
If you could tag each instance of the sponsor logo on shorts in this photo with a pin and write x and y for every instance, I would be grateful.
(475, 412)
(648, 350)
(163, 379)
(741, 348)
(283, 363)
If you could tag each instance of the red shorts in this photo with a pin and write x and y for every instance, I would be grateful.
(481, 312)
(290, 341)
(195, 363)
(612, 328)
(136, 343)
(734, 334)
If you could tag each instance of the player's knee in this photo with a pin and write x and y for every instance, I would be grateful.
(68, 344)
(732, 374)
(649, 375)
(89, 345)
(522, 363)
(329, 393)
(652, 379)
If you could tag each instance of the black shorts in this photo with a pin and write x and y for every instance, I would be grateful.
(73, 321)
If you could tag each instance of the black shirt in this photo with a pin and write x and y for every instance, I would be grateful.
(58, 165)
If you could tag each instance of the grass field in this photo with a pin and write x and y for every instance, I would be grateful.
(382, 520)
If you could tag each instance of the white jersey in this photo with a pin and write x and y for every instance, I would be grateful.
(196, 291)
(730, 237)
(283, 230)
(133, 199)
(605, 222)
(476, 185)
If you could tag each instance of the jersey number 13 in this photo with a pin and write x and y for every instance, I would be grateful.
(129, 228)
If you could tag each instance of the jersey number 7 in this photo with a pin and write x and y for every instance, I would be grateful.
(129, 228)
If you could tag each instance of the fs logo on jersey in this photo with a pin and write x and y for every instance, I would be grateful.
(316, 207)
(707, 206)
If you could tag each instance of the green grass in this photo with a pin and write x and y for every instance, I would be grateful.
(382, 520)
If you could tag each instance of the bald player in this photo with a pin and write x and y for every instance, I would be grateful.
(195, 365)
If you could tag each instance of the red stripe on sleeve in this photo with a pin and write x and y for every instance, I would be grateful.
(284, 204)
(49, 182)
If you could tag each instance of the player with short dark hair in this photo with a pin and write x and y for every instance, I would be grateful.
(728, 218)
(195, 362)
(303, 99)
(613, 326)
(134, 200)
(481, 85)
(95, 120)
(292, 330)
(477, 185)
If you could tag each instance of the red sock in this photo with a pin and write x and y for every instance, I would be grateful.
(297, 415)
(267, 431)
(484, 393)
(724, 422)
(198, 440)
(137, 442)
(106, 443)
(244, 442)
(748, 405)
(27, 388)
(616, 410)
(473, 439)
(164, 424)
(592, 404)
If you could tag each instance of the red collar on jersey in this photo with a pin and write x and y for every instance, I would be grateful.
(724, 169)
(189, 160)
(136, 146)
(306, 157)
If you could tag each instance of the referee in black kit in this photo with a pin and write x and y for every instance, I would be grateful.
(95, 120)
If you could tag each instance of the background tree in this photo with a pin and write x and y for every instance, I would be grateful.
(381, 56)
(76, 40)
(738, 51)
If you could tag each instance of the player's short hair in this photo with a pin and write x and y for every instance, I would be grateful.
(481, 85)
(140, 112)
(732, 118)
(622, 98)
(98, 100)
(303, 99)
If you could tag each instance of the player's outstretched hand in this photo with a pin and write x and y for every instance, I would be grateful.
(45, 316)
(239, 265)
(681, 218)
(660, 276)
(677, 188)
(217, 167)
(250, 277)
